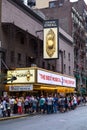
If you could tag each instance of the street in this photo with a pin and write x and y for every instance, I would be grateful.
(71, 120)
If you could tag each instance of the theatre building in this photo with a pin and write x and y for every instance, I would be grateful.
(21, 45)
(37, 80)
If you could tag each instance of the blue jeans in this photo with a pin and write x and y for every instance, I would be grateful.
(49, 109)
(54, 108)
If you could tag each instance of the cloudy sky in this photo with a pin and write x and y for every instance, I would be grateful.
(76, 0)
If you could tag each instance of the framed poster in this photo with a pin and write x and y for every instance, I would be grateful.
(51, 39)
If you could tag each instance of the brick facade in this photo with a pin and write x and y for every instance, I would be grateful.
(21, 36)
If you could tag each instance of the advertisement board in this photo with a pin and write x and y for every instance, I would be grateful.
(21, 88)
(51, 42)
(55, 79)
(22, 76)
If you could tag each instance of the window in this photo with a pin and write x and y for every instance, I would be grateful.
(22, 40)
(43, 64)
(69, 56)
(64, 68)
(60, 4)
(12, 56)
(48, 66)
(31, 3)
(51, 4)
(53, 67)
(19, 58)
(27, 61)
(69, 70)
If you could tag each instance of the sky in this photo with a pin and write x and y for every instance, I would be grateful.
(77, 0)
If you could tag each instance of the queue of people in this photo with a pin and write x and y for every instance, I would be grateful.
(35, 104)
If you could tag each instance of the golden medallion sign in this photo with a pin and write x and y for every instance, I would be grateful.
(50, 47)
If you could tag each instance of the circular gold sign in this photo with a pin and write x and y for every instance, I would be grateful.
(50, 43)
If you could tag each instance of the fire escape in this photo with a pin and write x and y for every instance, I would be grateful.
(79, 57)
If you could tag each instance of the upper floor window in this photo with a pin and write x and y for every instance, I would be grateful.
(65, 68)
(53, 68)
(22, 39)
(12, 56)
(31, 3)
(69, 70)
(60, 4)
(19, 57)
(27, 61)
(51, 4)
(43, 64)
(69, 56)
(48, 66)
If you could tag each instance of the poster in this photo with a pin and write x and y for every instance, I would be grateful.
(51, 39)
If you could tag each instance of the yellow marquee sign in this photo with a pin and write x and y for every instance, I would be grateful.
(23, 76)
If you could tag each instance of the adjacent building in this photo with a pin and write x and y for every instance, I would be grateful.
(72, 18)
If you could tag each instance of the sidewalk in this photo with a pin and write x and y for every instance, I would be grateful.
(14, 116)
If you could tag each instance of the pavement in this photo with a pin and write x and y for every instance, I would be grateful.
(14, 116)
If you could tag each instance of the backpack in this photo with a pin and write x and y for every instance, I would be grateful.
(26, 103)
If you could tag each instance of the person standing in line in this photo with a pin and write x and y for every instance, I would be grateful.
(55, 104)
(42, 103)
(11, 100)
(15, 108)
(49, 104)
(8, 108)
(4, 107)
(34, 104)
(19, 106)
(26, 105)
(1, 107)
(74, 101)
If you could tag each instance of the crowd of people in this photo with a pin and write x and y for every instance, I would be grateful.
(43, 104)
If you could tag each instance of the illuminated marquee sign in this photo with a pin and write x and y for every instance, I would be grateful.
(23, 76)
(55, 79)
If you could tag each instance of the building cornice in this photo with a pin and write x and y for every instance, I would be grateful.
(65, 36)
(26, 9)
